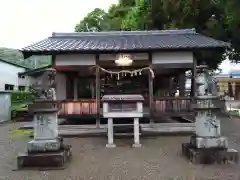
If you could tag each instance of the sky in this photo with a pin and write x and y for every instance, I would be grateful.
(227, 67)
(26, 21)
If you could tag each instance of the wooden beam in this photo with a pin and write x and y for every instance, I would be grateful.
(53, 61)
(185, 66)
(98, 100)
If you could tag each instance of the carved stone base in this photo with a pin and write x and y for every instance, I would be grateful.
(44, 145)
(209, 142)
(209, 155)
(47, 160)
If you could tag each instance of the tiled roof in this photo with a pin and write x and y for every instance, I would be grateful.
(33, 72)
(124, 41)
(14, 64)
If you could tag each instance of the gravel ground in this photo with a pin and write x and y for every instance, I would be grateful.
(159, 159)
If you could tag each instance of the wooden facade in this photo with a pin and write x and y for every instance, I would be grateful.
(80, 57)
(159, 92)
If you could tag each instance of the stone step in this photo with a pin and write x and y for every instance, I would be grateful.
(124, 129)
(125, 134)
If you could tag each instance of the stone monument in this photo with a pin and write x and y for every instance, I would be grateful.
(207, 145)
(47, 148)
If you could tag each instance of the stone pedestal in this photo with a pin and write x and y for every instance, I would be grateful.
(209, 155)
(209, 142)
(44, 160)
(46, 150)
(207, 146)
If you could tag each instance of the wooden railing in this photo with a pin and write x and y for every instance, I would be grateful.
(172, 105)
(78, 107)
(162, 105)
(179, 105)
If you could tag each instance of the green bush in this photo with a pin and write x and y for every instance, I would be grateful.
(234, 112)
(19, 101)
(19, 97)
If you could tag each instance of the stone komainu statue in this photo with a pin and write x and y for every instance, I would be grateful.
(207, 85)
(44, 86)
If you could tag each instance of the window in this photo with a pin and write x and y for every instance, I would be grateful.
(21, 77)
(9, 87)
(21, 88)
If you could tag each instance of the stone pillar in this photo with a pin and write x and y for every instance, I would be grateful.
(110, 134)
(45, 133)
(45, 126)
(136, 133)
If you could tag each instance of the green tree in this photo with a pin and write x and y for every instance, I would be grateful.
(94, 21)
(127, 3)
(138, 17)
(215, 18)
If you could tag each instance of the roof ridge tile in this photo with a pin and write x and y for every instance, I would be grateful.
(120, 33)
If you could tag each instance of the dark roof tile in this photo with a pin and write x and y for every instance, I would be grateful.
(125, 40)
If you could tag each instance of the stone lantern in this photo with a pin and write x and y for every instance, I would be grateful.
(47, 148)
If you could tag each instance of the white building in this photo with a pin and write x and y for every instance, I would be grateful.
(9, 76)
(229, 69)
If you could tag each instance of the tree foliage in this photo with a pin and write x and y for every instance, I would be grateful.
(94, 21)
(216, 18)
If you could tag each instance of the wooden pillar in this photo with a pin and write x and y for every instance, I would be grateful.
(92, 88)
(171, 86)
(98, 92)
(193, 81)
(150, 80)
(182, 84)
(75, 89)
(53, 63)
